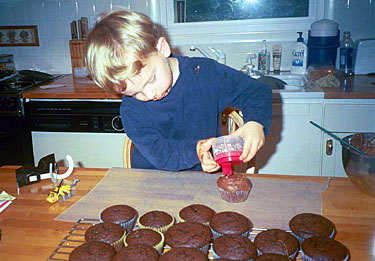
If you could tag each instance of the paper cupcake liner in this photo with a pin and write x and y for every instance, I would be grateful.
(159, 229)
(180, 220)
(217, 234)
(129, 225)
(216, 256)
(204, 249)
(159, 246)
(119, 244)
(307, 258)
(301, 239)
(291, 256)
(234, 197)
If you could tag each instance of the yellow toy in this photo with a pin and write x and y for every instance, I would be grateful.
(62, 192)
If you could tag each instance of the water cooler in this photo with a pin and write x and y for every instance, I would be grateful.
(323, 41)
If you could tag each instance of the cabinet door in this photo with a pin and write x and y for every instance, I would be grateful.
(343, 120)
(293, 144)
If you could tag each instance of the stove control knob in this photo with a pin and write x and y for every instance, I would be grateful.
(117, 124)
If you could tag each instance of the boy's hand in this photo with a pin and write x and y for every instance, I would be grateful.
(253, 135)
(207, 161)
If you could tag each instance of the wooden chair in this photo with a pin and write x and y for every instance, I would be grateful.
(233, 119)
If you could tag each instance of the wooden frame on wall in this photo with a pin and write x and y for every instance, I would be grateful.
(24, 35)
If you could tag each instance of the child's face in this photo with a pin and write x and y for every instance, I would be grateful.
(153, 82)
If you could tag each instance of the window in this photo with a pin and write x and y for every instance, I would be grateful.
(224, 10)
(187, 17)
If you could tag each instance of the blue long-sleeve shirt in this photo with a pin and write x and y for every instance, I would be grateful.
(165, 132)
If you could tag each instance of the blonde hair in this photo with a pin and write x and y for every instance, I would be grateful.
(117, 47)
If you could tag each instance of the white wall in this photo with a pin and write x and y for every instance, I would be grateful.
(53, 19)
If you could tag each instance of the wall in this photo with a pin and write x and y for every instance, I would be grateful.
(53, 19)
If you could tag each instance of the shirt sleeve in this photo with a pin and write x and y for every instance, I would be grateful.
(249, 95)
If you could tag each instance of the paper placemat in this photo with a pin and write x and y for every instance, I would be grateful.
(271, 203)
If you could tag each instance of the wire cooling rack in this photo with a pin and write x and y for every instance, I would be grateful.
(76, 237)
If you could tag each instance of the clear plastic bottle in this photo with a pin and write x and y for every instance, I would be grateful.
(264, 59)
(346, 54)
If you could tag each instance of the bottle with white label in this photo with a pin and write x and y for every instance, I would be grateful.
(299, 56)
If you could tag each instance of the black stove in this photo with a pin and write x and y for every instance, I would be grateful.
(14, 141)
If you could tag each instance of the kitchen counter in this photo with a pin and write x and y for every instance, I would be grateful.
(29, 231)
(71, 88)
(357, 87)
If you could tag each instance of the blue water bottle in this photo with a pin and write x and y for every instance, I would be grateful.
(346, 54)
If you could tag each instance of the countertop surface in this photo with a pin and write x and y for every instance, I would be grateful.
(30, 231)
(356, 87)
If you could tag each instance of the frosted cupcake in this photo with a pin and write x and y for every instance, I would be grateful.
(123, 215)
(234, 188)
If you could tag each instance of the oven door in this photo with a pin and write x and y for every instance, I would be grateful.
(14, 149)
(88, 149)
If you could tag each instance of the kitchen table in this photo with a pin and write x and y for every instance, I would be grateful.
(29, 231)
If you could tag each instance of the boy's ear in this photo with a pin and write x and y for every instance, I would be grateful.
(163, 47)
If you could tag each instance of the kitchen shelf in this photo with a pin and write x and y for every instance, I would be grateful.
(76, 236)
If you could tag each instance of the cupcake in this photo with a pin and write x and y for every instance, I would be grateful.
(306, 225)
(196, 213)
(107, 232)
(137, 252)
(123, 215)
(94, 250)
(157, 220)
(229, 223)
(183, 254)
(271, 257)
(145, 236)
(189, 234)
(277, 241)
(234, 188)
(323, 248)
(233, 247)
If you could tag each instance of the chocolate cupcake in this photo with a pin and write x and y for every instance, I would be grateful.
(277, 241)
(189, 234)
(123, 215)
(196, 213)
(94, 250)
(234, 188)
(137, 252)
(145, 236)
(157, 220)
(271, 257)
(183, 254)
(306, 225)
(107, 232)
(230, 223)
(323, 248)
(233, 247)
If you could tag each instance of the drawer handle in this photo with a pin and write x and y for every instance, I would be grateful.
(329, 147)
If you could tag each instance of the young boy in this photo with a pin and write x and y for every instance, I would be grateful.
(171, 104)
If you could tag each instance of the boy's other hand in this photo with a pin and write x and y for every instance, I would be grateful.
(207, 161)
(253, 135)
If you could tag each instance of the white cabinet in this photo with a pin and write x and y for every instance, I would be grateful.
(344, 117)
(293, 144)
